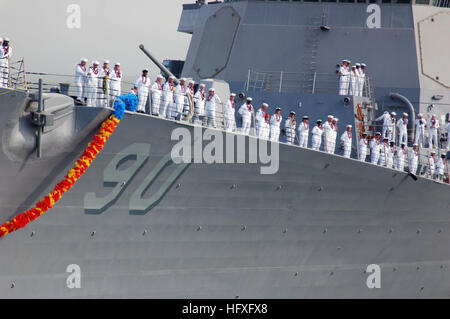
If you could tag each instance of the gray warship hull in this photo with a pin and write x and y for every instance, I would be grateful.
(213, 230)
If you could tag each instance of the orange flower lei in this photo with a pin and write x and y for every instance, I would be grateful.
(85, 160)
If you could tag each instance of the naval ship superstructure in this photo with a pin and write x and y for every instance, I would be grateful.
(137, 224)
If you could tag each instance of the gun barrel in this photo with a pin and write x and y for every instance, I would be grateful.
(166, 72)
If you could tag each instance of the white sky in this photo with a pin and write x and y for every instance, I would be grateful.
(110, 29)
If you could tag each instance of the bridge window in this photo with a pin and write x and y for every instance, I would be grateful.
(427, 2)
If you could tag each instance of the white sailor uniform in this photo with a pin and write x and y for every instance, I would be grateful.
(103, 87)
(142, 84)
(402, 126)
(116, 83)
(4, 62)
(413, 161)
(328, 134)
(316, 137)
(375, 147)
(401, 158)
(211, 105)
(92, 82)
(386, 118)
(420, 131)
(433, 126)
(156, 89)
(168, 99)
(344, 75)
(361, 80)
(447, 128)
(80, 81)
(259, 121)
(245, 111)
(346, 143)
(179, 95)
(303, 132)
(363, 143)
(229, 109)
(199, 106)
(289, 127)
(275, 122)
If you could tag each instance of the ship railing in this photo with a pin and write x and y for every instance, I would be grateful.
(65, 84)
(423, 168)
(299, 82)
(188, 115)
(12, 74)
(441, 3)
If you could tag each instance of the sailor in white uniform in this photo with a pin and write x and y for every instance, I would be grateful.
(168, 97)
(143, 84)
(414, 159)
(402, 126)
(386, 118)
(420, 130)
(246, 112)
(447, 128)
(92, 84)
(229, 109)
(189, 90)
(6, 56)
(116, 81)
(432, 164)
(344, 77)
(346, 141)
(2, 54)
(375, 146)
(303, 132)
(260, 118)
(358, 72)
(289, 128)
(316, 135)
(157, 89)
(328, 134)
(179, 95)
(212, 101)
(103, 85)
(275, 122)
(392, 127)
(334, 126)
(199, 108)
(362, 79)
(80, 80)
(402, 154)
(390, 155)
(354, 81)
(433, 126)
(440, 167)
(363, 144)
(265, 128)
(384, 149)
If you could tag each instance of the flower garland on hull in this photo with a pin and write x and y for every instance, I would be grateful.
(82, 164)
